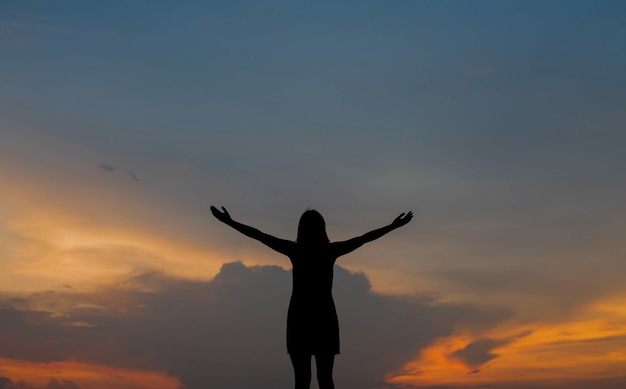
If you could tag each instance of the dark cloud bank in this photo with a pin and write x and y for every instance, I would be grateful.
(7, 383)
(227, 333)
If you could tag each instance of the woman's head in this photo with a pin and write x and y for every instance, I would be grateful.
(312, 228)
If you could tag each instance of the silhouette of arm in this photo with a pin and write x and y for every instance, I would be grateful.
(347, 246)
(283, 246)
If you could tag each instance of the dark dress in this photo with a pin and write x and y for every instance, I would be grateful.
(312, 324)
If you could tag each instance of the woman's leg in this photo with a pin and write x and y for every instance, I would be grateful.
(302, 370)
(324, 364)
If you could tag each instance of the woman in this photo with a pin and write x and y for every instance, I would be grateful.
(312, 325)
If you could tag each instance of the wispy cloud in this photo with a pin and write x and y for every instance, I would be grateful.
(111, 168)
(23, 32)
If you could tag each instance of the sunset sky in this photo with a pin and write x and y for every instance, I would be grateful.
(501, 124)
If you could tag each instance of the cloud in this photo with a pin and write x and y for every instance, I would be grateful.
(111, 168)
(21, 34)
(61, 384)
(604, 383)
(72, 374)
(7, 383)
(478, 352)
(207, 332)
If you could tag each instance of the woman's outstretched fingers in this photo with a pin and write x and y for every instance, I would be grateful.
(403, 219)
(222, 216)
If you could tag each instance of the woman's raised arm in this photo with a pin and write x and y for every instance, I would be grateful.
(283, 246)
(347, 246)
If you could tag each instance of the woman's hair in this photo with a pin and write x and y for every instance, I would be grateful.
(312, 228)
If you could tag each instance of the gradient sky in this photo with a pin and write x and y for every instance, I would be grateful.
(501, 124)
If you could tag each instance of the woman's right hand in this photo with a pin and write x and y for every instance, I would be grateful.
(222, 216)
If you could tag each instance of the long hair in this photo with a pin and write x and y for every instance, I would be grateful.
(312, 229)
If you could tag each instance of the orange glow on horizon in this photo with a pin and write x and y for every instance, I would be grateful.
(592, 347)
(434, 366)
(87, 376)
(53, 248)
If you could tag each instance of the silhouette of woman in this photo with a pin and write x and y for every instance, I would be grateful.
(312, 325)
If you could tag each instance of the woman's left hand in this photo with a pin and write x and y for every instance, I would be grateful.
(403, 219)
